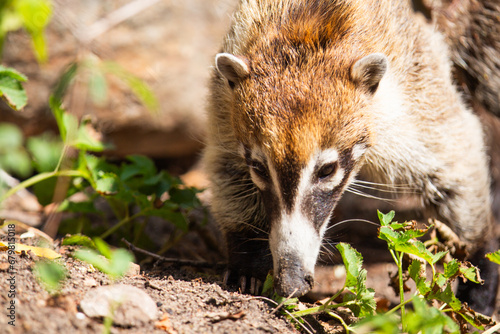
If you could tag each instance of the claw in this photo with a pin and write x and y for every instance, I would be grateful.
(258, 287)
(243, 284)
(252, 286)
(226, 276)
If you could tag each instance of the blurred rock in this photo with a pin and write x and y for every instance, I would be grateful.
(125, 304)
(169, 45)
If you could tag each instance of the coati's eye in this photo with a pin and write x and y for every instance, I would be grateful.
(259, 169)
(327, 170)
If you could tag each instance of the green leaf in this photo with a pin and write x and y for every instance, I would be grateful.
(50, 274)
(386, 219)
(353, 262)
(17, 161)
(365, 296)
(78, 239)
(120, 262)
(93, 258)
(494, 257)
(416, 273)
(379, 324)
(451, 268)
(107, 184)
(140, 165)
(12, 92)
(441, 280)
(63, 84)
(35, 15)
(98, 87)
(429, 320)
(78, 207)
(114, 263)
(103, 247)
(470, 272)
(70, 128)
(447, 296)
(386, 233)
(46, 152)
(85, 141)
(44, 190)
(55, 105)
(138, 86)
(268, 286)
(438, 256)
(11, 137)
(186, 198)
(12, 73)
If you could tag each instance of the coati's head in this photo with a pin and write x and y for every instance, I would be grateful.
(303, 128)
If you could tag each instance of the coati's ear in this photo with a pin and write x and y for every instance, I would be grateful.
(369, 70)
(233, 68)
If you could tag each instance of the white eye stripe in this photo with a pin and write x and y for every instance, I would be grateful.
(335, 180)
(326, 156)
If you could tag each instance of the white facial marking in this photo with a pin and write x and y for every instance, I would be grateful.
(294, 233)
(357, 151)
(326, 156)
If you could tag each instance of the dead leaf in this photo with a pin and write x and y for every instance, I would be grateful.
(165, 325)
(38, 251)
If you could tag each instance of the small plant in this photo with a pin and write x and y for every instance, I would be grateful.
(50, 274)
(114, 263)
(134, 190)
(401, 240)
(448, 317)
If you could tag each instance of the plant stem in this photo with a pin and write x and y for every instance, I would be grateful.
(120, 224)
(398, 259)
(318, 309)
(38, 178)
(333, 315)
(394, 309)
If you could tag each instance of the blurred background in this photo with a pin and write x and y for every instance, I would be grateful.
(168, 46)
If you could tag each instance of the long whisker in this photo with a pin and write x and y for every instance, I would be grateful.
(354, 220)
(393, 191)
(385, 185)
(362, 194)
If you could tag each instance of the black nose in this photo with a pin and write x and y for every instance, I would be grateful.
(292, 280)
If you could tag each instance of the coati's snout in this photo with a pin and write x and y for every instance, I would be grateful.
(292, 279)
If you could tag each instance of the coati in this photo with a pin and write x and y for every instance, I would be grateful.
(307, 93)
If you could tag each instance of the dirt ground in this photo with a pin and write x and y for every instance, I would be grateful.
(187, 299)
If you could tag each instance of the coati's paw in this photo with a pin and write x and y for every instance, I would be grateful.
(246, 284)
(249, 261)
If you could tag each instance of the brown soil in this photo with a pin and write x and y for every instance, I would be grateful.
(190, 302)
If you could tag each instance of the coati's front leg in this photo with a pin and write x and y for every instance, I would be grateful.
(238, 209)
(249, 258)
